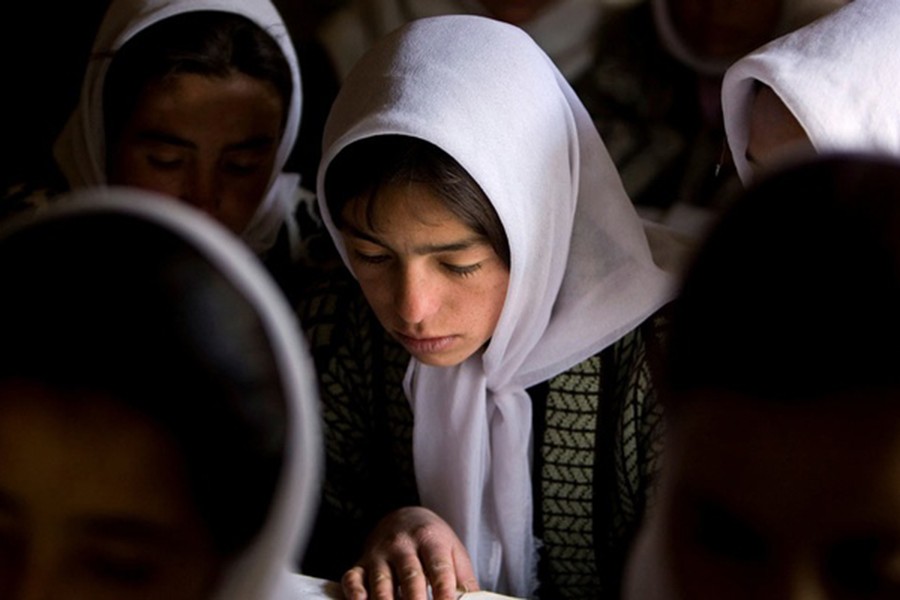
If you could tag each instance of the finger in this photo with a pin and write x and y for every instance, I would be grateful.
(411, 578)
(352, 584)
(465, 574)
(381, 582)
(442, 576)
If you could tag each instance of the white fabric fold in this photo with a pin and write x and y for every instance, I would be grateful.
(80, 150)
(581, 275)
(839, 76)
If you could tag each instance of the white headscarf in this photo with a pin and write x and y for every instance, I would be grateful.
(839, 76)
(80, 149)
(582, 272)
(565, 29)
(264, 570)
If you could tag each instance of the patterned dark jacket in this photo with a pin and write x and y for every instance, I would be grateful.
(597, 430)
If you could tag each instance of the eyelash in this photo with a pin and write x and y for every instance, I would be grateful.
(232, 168)
(458, 270)
(372, 259)
(164, 163)
(123, 571)
(463, 271)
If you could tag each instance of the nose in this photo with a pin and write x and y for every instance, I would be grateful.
(200, 188)
(417, 294)
(795, 580)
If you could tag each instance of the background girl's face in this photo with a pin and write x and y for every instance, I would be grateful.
(436, 285)
(210, 141)
(767, 500)
(94, 504)
(725, 28)
(774, 134)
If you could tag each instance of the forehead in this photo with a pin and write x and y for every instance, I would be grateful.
(87, 453)
(774, 463)
(196, 101)
(398, 205)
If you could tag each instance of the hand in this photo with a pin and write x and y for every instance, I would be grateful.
(409, 549)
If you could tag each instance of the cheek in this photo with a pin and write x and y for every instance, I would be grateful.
(240, 200)
(496, 299)
(376, 287)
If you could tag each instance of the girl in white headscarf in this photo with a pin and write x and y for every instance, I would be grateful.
(174, 400)
(201, 100)
(512, 425)
(830, 86)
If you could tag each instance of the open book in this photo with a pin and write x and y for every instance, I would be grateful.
(312, 588)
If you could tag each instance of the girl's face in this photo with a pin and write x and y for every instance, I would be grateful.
(774, 134)
(209, 141)
(436, 285)
(94, 504)
(763, 500)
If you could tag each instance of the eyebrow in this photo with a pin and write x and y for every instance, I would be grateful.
(253, 143)
(457, 246)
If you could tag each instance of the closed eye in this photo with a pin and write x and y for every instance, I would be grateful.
(462, 270)
(121, 570)
(165, 162)
(374, 259)
(242, 168)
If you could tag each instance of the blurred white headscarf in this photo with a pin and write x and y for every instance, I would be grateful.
(584, 269)
(265, 570)
(80, 149)
(839, 76)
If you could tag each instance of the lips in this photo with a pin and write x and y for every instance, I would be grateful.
(425, 345)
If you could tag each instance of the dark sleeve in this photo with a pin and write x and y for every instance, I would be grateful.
(358, 489)
(629, 442)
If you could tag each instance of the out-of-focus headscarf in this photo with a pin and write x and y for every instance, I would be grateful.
(264, 568)
(839, 76)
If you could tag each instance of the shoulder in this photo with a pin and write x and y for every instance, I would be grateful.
(331, 309)
(28, 197)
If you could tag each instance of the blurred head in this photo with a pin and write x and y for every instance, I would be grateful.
(781, 475)
(425, 243)
(718, 29)
(95, 501)
(516, 12)
(142, 415)
(195, 107)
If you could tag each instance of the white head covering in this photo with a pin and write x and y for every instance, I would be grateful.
(264, 570)
(582, 271)
(80, 149)
(565, 29)
(839, 76)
